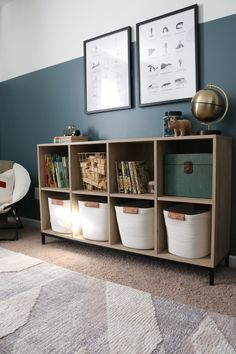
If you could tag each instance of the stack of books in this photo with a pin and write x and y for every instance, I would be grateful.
(69, 139)
(56, 171)
(132, 177)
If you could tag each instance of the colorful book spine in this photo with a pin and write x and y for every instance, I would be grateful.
(51, 171)
(61, 174)
(58, 184)
(142, 174)
(124, 175)
(136, 177)
(129, 182)
(134, 188)
(65, 170)
(119, 177)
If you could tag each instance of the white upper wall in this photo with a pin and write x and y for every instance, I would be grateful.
(35, 34)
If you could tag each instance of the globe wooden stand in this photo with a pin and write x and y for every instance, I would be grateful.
(209, 132)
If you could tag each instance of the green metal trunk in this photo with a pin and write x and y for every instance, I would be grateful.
(188, 175)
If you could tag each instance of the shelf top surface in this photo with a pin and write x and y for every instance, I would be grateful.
(55, 189)
(134, 196)
(141, 139)
(93, 192)
(168, 198)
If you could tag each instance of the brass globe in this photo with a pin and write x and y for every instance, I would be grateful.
(209, 105)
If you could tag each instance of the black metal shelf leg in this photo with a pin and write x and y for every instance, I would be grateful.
(227, 260)
(43, 238)
(211, 276)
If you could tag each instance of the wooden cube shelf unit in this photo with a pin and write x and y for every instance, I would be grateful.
(153, 151)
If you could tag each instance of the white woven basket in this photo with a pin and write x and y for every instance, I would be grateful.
(94, 220)
(188, 235)
(60, 215)
(136, 226)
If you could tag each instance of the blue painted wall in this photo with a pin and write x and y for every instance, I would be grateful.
(37, 106)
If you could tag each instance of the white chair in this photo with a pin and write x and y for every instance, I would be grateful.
(8, 210)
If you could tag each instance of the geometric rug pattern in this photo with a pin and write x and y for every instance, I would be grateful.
(48, 309)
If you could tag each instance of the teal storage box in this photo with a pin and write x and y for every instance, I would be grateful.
(188, 175)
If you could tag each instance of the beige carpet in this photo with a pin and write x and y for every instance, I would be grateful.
(182, 283)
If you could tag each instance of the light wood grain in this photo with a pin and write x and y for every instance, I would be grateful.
(204, 262)
(175, 199)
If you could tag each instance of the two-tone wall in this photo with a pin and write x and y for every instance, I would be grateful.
(41, 69)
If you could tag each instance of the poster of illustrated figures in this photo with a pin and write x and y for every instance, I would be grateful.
(107, 71)
(167, 57)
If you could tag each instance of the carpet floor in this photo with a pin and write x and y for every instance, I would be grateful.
(49, 309)
(182, 283)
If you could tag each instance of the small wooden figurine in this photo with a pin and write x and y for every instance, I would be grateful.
(180, 126)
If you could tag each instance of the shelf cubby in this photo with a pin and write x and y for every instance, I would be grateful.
(75, 170)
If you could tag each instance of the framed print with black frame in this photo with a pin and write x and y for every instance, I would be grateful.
(107, 71)
(168, 57)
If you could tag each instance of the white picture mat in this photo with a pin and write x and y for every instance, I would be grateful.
(107, 72)
(167, 58)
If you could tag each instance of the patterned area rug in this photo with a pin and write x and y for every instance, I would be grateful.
(48, 309)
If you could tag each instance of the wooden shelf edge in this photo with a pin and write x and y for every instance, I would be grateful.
(121, 247)
(204, 262)
(85, 192)
(146, 196)
(117, 246)
(50, 232)
(81, 238)
(140, 139)
(55, 189)
(78, 238)
(167, 198)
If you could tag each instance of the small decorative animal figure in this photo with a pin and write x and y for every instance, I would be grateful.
(180, 126)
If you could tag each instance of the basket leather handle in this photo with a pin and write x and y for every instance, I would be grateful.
(176, 216)
(130, 210)
(57, 202)
(91, 204)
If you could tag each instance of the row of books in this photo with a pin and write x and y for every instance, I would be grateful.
(56, 171)
(132, 177)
